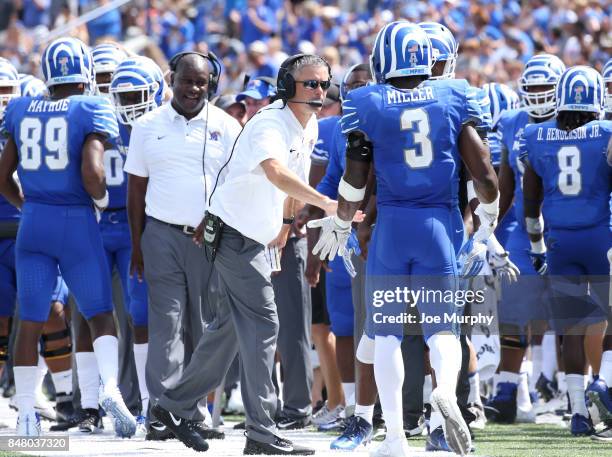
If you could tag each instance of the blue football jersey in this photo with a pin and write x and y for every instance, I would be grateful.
(320, 154)
(576, 177)
(336, 165)
(7, 211)
(495, 146)
(116, 178)
(511, 126)
(49, 135)
(414, 133)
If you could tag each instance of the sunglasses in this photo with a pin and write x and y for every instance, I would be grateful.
(312, 84)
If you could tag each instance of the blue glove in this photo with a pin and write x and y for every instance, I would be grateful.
(538, 261)
(472, 258)
(352, 247)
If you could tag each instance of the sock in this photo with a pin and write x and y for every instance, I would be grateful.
(106, 349)
(62, 380)
(366, 412)
(140, 358)
(41, 371)
(508, 376)
(605, 372)
(523, 401)
(435, 420)
(349, 393)
(575, 389)
(474, 396)
(549, 355)
(427, 388)
(561, 381)
(389, 373)
(25, 388)
(89, 379)
(536, 360)
(445, 358)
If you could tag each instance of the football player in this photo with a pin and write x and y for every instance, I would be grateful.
(567, 178)
(416, 198)
(61, 170)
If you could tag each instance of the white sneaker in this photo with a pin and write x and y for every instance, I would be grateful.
(392, 447)
(235, 404)
(455, 429)
(480, 421)
(525, 416)
(28, 424)
(112, 402)
(141, 427)
(326, 416)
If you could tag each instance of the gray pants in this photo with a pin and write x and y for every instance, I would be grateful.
(292, 296)
(246, 320)
(176, 271)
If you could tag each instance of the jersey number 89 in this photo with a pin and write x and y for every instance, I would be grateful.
(54, 136)
(417, 122)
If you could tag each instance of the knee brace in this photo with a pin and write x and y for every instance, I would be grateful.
(365, 350)
(513, 342)
(58, 353)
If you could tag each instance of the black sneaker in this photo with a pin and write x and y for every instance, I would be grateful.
(64, 409)
(502, 408)
(207, 432)
(280, 446)
(240, 426)
(64, 421)
(546, 388)
(285, 422)
(91, 421)
(182, 429)
(156, 431)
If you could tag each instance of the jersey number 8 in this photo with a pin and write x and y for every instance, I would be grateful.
(569, 181)
(55, 143)
(417, 122)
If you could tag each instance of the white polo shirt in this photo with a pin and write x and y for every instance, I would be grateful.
(247, 200)
(168, 149)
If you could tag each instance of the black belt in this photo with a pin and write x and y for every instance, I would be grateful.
(115, 210)
(186, 229)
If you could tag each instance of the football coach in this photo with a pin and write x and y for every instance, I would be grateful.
(265, 175)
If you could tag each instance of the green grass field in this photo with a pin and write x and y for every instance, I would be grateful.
(531, 440)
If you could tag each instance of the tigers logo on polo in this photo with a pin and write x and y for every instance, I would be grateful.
(214, 135)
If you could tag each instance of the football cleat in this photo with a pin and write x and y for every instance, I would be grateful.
(158, 432)
(357, 432)
(581, 426)
(285, 422)
(456, 431)
(502, 407)
(480, 418)
(392, 447)
(28, 424)
(110, 399)
(599, 394)
(604, 436)
(91, 421)
(436, 441)
(280, 446)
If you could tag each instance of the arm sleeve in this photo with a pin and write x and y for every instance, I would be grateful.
(350, 121)
(103, 117)
(524, 152)
(266, 141)
(135, 163)
(329, 184)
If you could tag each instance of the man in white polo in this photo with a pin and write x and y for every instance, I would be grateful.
(265, 176)
(175, 153)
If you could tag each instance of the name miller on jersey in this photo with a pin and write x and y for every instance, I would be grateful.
(420, 94)
(47, 106)
(560, 135)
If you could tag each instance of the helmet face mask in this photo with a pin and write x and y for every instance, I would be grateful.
(132, 102)
(538, 83)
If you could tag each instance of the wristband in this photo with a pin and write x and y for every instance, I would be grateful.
(491, 208)
(538, 247)
(288, 220)
(471, 193)
(102, 202)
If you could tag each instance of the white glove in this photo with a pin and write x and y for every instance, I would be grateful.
(487, 213)
(500, 262)
(472, 257)
(334, 235)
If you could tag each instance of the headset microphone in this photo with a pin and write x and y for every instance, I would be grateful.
(313, 103)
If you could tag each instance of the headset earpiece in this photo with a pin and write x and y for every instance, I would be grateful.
(285, 83)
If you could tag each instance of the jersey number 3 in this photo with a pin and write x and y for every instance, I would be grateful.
(55, 142)
(416, 122)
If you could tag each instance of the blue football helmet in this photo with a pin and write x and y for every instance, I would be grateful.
(401, 49)
(137, 87)
(31, 86)
(106, 58)
(68, 61)
(543, 70)
(444, 47)
(607, 78)
(9, 82)
(501, 98)
(581, 88)
(344, 90)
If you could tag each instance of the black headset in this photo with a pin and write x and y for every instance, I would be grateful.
(215, 74)
(285, 83)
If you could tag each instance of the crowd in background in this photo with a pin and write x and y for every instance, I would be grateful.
(496, 37)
